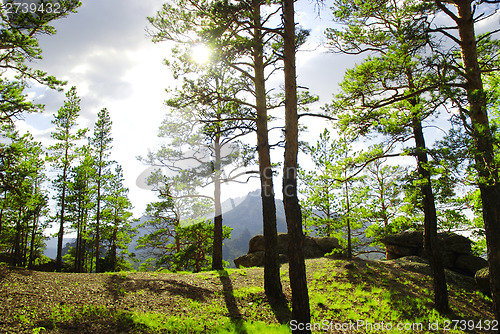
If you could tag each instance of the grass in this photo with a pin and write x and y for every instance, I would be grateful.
(361, 292)
(372, 295)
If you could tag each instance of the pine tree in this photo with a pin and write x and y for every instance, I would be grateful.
(23, 199)
(472, 103)
(63, 153)
(80, 203)
(297, 271)
(19, 32)
(117, 217)
(399, 39)
(101, 148)
(334, 194)
(238, 40)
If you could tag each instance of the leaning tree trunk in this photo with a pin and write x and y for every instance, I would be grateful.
(431, 245)
(297, 270)
(272, 281)
(484, 155)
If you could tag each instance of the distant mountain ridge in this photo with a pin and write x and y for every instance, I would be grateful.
(243, 215)
(246, 221)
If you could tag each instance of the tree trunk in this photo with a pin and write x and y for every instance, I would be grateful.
(348, 207)
(113, 256)
(1, 211)
(484, 154)
(298, 282)
(431, 245)
(61, 221)
(32, 243)
(78, 245)
(98, 217)
(17, 241)
(26, 230)
(272, 281)
(84, 255)
(217, 243)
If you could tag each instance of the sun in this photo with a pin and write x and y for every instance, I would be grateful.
(200, 53)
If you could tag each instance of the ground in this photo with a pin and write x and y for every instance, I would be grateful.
(364, 293)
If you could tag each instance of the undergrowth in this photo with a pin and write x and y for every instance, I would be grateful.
(360, 296)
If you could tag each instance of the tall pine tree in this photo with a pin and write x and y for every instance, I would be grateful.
(101, 149)
(63, 153)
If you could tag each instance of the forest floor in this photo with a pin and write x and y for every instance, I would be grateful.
(355, 296)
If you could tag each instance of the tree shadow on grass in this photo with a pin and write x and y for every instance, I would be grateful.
(118, 286)
(231, 304)
(281, 310)
(409, 285)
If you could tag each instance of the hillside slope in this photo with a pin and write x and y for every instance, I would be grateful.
(341, 293)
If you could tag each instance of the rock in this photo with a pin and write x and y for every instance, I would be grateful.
(255, 259)
(50, 266)
(415, 239)
(311, 249)
(412, 263)
(470, 264)
(482, 279)
(410, 239)
(282, 258)
(448, 258)
(394, 251)
(314, 247)
(256, 244)
(455, 250)
(454, 243)
(327, 244)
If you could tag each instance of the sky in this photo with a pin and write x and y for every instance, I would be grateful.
(105, 51)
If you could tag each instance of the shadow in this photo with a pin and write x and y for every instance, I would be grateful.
(3, 272)
(409, 286)
(281, 309)
(118, 286)
(231, 304)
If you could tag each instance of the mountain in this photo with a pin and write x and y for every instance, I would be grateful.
(243, 215)
(246, 221)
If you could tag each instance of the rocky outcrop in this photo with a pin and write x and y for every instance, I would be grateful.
(314, 247)
(482, 279)
(455, 250)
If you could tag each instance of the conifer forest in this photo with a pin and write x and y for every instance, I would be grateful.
(213, 166)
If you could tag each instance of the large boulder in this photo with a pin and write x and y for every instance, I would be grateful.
(255, 259)
(256, 244)
(455, 250)
(396, 251)
(455, 243)
(314, 247)
(412, 243)
(327, 244)
(470, 264)
(410, 239)
(482, 279)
